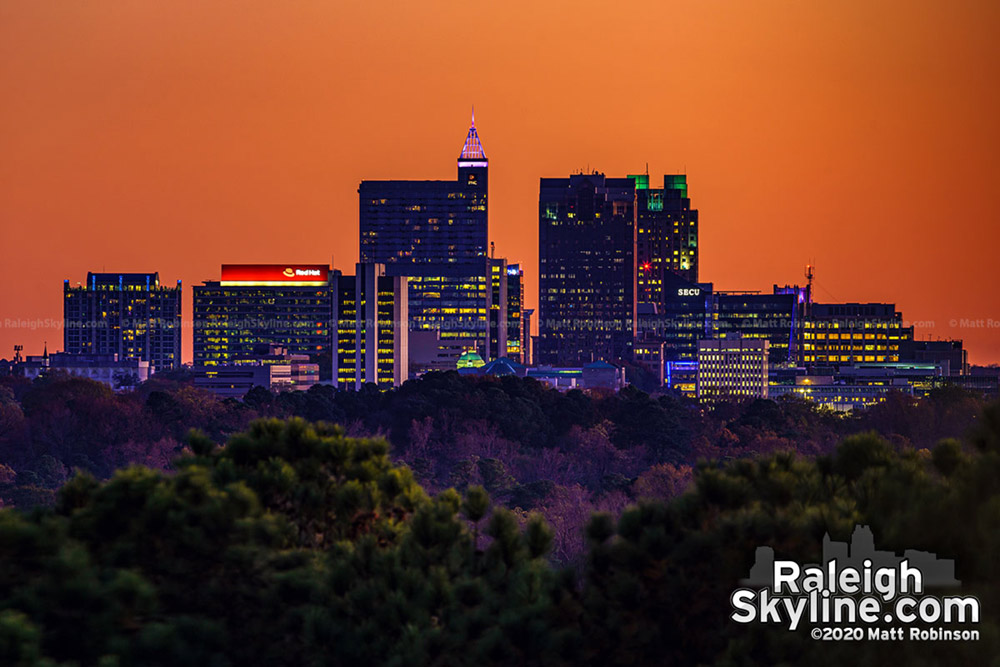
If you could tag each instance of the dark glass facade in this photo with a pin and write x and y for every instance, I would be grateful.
(776, 318)
(685, 315)
(950, 353)
(426, 228)
(587, 295)
(128, 314)
(666, 236)
(436, 233)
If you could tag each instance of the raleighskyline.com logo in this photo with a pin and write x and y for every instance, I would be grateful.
(858, 593)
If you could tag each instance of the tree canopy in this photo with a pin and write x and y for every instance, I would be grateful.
(296, 544)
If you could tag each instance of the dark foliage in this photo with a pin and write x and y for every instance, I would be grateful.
(297, 545)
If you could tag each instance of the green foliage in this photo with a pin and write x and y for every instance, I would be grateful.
(477, 503)
(947, 456)
(329, 486)
(295, 544)
(657, 585)
(512, 435)
(19, 641)
(291, 545)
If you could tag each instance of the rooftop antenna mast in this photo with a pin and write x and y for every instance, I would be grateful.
(810, 274)
(493, 250)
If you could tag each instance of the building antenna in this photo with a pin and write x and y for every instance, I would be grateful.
(810, 274)
(493, 250)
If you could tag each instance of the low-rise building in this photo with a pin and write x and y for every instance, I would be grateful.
(949, 354)
(429, 352)
(595, 375)
(602, 375)
(840, 395)
(105, 368)
(732, 368)
(649, 355)
(271, 367)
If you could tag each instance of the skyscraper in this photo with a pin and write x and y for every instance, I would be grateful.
(666, 235)
(436, 233)
(128, 314)
(499, 305)
(587, 271)
(685, 315)
(370, 309)
(515, 311)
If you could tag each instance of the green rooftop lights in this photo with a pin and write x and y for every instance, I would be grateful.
(641, 181)
(676, 182)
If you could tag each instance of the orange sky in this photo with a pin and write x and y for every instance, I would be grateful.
(175, 136)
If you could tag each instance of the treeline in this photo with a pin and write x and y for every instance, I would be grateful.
(297, 545)
(532, 448)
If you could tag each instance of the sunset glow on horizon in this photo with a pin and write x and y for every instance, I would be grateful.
(859, 137)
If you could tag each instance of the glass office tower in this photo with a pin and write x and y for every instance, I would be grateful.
(587, 276)
(435, 233)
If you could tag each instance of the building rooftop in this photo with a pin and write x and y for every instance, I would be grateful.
(473, 148)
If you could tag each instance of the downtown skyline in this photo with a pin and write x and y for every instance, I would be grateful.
(808, 139)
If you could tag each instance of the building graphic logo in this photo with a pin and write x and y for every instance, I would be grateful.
(858, 593)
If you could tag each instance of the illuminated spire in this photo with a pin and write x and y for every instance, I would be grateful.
(473, 148)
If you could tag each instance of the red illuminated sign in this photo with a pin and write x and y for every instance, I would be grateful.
(274, 273)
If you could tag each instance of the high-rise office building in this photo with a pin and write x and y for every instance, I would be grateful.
(354, 325)
(498, 308)
(128, 314)
(370, 309)
(527, 339)
(650, 233)
(666, 236)
(515, 314)
(684, 315)
(252, 304)
(436, 234)
(587, 278)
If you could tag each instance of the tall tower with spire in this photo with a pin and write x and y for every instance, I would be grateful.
(473, 166)
(437, 234)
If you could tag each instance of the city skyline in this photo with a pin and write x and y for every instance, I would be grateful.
(806, 138)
